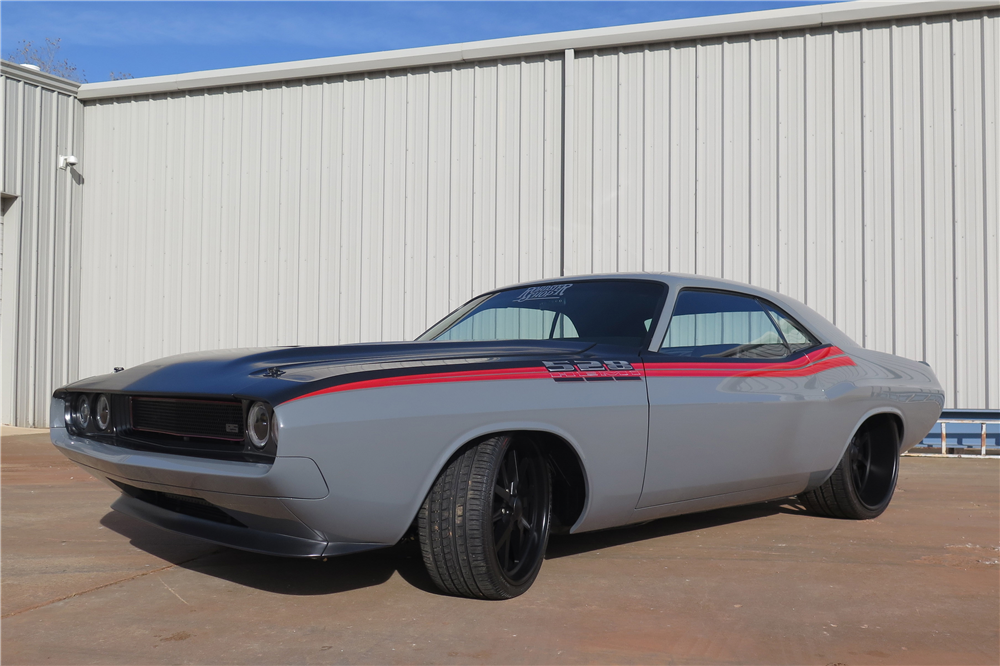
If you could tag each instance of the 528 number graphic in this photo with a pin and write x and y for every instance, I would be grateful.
(581, 371)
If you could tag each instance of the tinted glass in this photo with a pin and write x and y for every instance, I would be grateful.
(710, 324)
(617, 312)
(795, 335)
(512, 324)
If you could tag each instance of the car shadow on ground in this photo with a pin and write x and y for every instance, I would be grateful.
(305, 577)
(280, 575)
(564, 545)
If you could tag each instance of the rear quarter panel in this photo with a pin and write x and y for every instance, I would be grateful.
(906, 387)
(878, 383)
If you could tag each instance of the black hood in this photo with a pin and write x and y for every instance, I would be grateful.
(277, 374)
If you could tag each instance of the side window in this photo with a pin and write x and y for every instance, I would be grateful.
(512, 324)
(797, 337)
(712, 324)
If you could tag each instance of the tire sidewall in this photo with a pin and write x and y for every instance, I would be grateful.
(880, 433)
(508, 588)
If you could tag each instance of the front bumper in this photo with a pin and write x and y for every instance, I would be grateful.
(238, 504)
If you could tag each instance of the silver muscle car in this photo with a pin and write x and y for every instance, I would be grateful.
(570, 404)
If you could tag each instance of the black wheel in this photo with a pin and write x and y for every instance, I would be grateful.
(485, 524)
(862, 485)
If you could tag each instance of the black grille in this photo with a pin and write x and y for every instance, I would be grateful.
(195, 507)
(209, 419)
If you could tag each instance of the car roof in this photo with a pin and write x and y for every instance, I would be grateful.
(815, 322)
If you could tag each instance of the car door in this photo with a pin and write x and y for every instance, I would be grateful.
(728, 394)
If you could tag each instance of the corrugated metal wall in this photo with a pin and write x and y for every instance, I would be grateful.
(316, 212)
(41, 120)
(854, 168)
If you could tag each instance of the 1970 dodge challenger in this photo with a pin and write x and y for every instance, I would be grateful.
(571, 404)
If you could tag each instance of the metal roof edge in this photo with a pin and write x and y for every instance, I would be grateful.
(15, 71)
(664, 31)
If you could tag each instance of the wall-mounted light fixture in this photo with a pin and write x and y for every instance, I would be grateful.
(67, 161)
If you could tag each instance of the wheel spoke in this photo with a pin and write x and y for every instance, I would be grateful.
(504, 539)
(511, 464)
(503, 493)
(861, 461)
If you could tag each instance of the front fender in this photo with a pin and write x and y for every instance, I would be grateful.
(381, 449)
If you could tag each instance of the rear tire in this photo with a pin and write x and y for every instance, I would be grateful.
(485, 523)
(862, 485)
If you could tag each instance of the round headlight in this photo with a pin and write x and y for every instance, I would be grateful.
(259, 425)
(81, 412)
(102, 413)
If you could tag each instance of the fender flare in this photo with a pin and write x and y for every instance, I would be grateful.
(816, 480)
(448, 452)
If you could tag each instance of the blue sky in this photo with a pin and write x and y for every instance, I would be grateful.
(154, 38)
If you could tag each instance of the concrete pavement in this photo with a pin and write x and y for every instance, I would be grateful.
(761, 584)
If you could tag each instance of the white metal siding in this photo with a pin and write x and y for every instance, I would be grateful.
(854, 168)
(328, 211)
(39, 124)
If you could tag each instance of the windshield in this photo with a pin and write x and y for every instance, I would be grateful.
(615, 312)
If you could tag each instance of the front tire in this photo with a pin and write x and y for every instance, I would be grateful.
(862, 485)
(484, 525)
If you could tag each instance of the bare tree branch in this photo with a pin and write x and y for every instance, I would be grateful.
(46, 58)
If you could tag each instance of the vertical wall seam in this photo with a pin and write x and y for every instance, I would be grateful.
(35, 237)
(833, 167)
(923, 190)
(237, 283)
(67, 328)
(404, 264)
(361, 180)
(427, 202)
(568, 56)
(954, 215)
(642, 179)
(451, 163)
(864, 193)
(777, 161)
(750, 155)
(806, 172)
(14, 310)
(382, 202)
(618, 159)
(892, 180)
(297, 319)
(722, 161)
(669, 156)
(990, 367)
(697, 139)
(593, 149)
(523, 129)
(53, 229)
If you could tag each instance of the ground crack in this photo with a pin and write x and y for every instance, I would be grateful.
(100, 587)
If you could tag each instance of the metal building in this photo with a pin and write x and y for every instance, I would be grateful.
(844, 154)
(39, 227)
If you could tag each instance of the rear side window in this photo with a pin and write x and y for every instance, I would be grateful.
(713, 324)
(797, 337)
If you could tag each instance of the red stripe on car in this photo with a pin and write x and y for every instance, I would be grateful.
(435, 378)
(810, 364)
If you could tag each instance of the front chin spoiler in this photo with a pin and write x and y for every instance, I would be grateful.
(243, 538)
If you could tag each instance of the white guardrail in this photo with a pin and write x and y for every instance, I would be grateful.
(968, 452)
